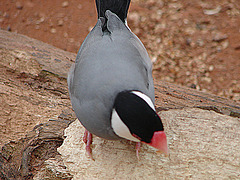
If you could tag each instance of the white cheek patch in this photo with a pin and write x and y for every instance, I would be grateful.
(145, 98)
(120, 128)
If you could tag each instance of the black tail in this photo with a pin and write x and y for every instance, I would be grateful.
(119, 7)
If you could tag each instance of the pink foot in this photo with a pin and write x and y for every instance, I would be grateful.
(138, 147)
(87, 139)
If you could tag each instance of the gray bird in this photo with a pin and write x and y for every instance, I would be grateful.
(111, 85)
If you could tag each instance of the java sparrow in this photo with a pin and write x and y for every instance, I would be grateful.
(111, 85)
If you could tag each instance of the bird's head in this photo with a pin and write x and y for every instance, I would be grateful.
(134, 118)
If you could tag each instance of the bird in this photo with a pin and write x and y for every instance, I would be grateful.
(111, 85)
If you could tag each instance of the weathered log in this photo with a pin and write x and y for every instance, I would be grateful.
(25, 54)
(171, 96)
(27, 156)
(202, 129)
(203, 145)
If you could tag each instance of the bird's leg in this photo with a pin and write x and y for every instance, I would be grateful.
(87, 139)
(138, 147)
(85, 136)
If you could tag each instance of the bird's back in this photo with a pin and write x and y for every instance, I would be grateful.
(107, 63)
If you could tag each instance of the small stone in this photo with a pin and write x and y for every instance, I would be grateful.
(198, 87)
(219, 49)
(19, 5)
(65, 34)
(212, 11)
(211, 67)
(219, 37)
(200, 42)
(65, 4)
(6, 15)
(65, 18)
(9, 28)
(185, 21)
(188, 41)
(154, 59)
(225, 44)
(41, 19)
(60, 22)
(71, 40)
(207, 79)
(193, 86)
(53, 30)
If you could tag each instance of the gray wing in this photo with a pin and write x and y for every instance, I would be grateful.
(106, 64)
(120, 30)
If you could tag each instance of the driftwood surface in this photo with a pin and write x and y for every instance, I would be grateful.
(203, 130)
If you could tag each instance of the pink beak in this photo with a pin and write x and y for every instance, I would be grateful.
(159, 141)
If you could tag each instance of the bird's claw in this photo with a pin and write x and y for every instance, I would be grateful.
(87, 139)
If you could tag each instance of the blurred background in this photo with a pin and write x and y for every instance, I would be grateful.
(191, 43)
